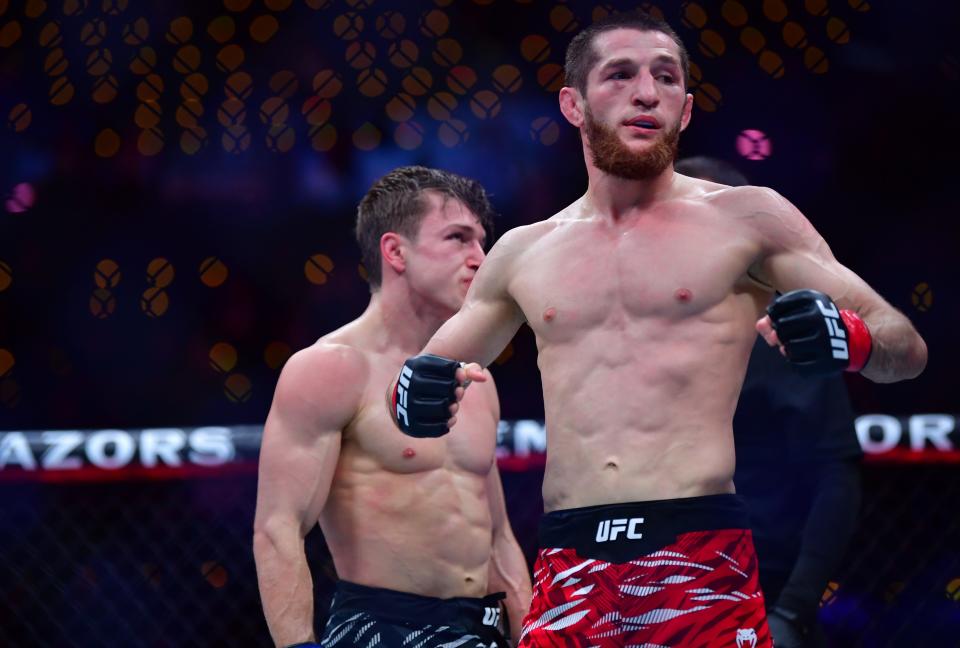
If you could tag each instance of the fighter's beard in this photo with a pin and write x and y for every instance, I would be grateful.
(612, 156)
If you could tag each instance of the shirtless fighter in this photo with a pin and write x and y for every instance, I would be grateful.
(645, 296)
(417, 527)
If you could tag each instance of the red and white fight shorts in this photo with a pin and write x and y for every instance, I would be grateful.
(676, 573)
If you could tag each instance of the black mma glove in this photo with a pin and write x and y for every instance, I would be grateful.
(819, 339)
(423, 394)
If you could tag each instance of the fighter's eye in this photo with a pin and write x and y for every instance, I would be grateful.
(456, 236)
(619, 75)
(666, 78)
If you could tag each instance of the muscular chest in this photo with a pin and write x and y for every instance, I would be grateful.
(591, 275)
(373, 440)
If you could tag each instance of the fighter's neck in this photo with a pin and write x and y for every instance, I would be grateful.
(397, 322)
(616, 198)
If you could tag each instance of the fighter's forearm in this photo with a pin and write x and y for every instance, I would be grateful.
(508, 573)
(517, 605)
(451, 342)
(898, 352)
(478, 333)
(286, 587)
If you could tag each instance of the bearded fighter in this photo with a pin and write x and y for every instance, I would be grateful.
(645, 296)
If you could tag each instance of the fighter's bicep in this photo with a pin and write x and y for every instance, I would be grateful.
(793, 254)
(295, 475)
(315, 399)
(813, 265)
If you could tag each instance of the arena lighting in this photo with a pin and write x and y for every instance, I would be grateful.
(173, 453)
(21, 198)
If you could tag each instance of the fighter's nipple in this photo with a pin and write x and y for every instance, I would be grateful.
(549, 314)
(683, 295)
(409, 453)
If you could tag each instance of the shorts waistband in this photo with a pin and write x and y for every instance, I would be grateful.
(407, 608)
(623, 531)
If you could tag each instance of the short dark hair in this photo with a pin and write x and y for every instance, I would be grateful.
(395, 203)
(713, 169)
(581, 56)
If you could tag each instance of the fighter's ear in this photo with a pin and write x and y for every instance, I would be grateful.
(687, 112)
(392, 250)
(571, 105)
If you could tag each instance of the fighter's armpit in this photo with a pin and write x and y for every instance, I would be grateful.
(753, 276)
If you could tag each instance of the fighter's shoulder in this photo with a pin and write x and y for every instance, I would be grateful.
(331, 350)
(769, 215)
(521, 237)
(504, 257)
(738, 200)
(329, 372)
(746, 200)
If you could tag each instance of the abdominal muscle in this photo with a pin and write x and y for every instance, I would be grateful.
(425, 533)
(643, 413)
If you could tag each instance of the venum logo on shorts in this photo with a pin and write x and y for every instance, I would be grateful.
(608, 530)
(405, 374)
(746, 638)
(491, 616)
(838, 339)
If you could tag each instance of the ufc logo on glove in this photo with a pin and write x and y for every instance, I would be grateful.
(402, 386)
(838, 337)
